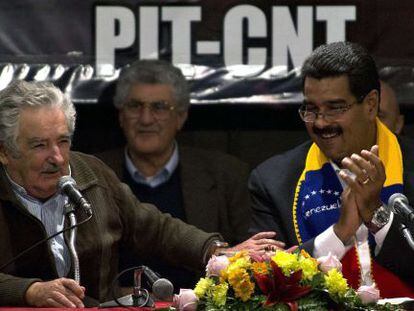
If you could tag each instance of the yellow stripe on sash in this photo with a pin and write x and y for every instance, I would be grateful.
(389, 153)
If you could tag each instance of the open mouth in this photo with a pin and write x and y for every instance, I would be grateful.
(327, 133)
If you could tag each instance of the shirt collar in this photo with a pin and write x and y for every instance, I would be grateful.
(162, 176)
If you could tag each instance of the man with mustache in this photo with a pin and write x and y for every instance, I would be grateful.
(207, 189)
(37, 122)
(329, 195)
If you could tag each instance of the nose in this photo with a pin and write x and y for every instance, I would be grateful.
(320, 120)
(56, 155)
(146, 116)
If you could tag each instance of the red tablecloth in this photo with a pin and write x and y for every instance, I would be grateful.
(158, 305)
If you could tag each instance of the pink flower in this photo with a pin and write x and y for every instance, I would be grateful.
(216, 264)
(368, 293)
(329, 262)
(186, 300)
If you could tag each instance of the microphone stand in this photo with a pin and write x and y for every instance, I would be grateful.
(70, 212)
(140, 297)
(407, 235)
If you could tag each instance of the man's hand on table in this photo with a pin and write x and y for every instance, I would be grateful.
(57, 293)
(260, 243)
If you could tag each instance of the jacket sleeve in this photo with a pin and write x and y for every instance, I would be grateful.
(13, 290)
(149, 233)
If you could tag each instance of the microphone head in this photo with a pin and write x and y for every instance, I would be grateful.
(162, 289)
(64, 181)
(395, 198)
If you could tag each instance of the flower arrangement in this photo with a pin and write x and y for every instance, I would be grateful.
(280, 281)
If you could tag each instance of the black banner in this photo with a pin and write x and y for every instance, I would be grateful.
(230, 51)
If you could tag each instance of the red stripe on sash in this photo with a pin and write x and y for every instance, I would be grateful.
(388, 283)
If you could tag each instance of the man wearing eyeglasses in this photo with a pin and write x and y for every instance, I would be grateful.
(204, 188)
(330, 195)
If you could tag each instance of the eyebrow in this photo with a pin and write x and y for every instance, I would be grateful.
(328, 102)
(32, 140)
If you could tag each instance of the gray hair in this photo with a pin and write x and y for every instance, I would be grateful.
(20, 95)
(151, 71)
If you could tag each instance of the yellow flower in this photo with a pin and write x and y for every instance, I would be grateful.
(239, 261)
(220, 294)
(239, 279)
(286, 261)
(238, 255)
(202, 286)
(309, 267)
(336, 283)
(305, 254)
(260, 267)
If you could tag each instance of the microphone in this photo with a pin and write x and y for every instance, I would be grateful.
(161, 288)
(400, 206)
(67, 185)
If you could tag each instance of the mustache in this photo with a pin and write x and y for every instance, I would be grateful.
(51, 168)
(146, 129)
(327, 130)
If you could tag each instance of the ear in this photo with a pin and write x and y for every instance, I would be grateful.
(121, 118)
(399, 124)
(3, 155)
(181, 118)
(372, 99)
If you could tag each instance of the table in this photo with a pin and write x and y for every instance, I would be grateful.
(158, 306)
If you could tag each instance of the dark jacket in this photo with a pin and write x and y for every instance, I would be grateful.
(214, 187)
(118, 219)
(272, 187)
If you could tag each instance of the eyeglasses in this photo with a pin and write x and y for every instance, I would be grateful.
(160, 110)
(332, 114)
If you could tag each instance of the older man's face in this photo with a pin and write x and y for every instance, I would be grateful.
(150, 133)
(43, 142)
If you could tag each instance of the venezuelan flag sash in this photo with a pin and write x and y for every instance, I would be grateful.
(317, 203)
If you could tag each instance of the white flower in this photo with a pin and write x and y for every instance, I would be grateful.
(368, 293)
(186, 300)
(329, 262)
(216, 264)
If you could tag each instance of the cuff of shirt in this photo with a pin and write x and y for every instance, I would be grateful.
(327, 242)
(382, 233)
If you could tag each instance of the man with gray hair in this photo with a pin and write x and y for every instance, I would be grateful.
(207, 189)
(36, 126)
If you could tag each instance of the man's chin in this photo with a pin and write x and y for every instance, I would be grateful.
(43, 194)
(331, 152)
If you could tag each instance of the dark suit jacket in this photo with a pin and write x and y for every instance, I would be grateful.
(119, 220)
(272, 187)
(214, 187)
